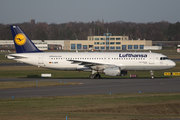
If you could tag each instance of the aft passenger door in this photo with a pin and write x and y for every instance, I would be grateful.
(40, 60)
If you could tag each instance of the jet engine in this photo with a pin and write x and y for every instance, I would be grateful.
(112, 71)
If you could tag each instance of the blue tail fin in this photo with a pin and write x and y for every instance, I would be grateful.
(22, 43)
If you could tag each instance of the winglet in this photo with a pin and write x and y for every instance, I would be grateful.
(22, 43)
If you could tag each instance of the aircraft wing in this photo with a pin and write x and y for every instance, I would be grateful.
(92, 65)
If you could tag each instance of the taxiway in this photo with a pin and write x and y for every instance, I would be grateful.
(92, 86)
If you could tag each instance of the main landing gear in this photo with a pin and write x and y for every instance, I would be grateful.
(152, 74)
(95, 76)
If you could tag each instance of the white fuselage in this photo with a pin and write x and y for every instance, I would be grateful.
(72, 60)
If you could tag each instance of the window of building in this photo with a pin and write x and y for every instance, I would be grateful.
(102, 38)
(102, 43)
(78, 46)
(112, 43)
(89, 38)
(123, 47)
(112, 48)
(118, 43)
(135, 47)
(84, 47)
(129, 47)
(118, 47)
(96, 43)
(102, 48)
(141, 47)
(73, 46)
(96, 47)
(118, 38)
(112, 38)
(96, 38)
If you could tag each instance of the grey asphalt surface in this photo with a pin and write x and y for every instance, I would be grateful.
(92, 86)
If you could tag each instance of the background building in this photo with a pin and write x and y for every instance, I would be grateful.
(55, 44)
(7, 45)
(40, 44)
(106, 42)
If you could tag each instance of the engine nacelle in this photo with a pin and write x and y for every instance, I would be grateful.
(112, 71)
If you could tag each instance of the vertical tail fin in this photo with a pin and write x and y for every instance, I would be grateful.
(22, 43)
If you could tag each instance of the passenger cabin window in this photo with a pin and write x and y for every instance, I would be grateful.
(164, 58)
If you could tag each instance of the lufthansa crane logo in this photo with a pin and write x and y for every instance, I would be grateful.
(20, 39)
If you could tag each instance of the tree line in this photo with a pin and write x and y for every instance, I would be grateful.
(158, 31)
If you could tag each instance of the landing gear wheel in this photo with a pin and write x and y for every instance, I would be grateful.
(92, 76)
(98, 76)
(152, 74)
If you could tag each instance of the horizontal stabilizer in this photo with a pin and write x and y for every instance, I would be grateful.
(15, 56)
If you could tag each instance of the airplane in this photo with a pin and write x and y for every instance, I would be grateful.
(109, 63)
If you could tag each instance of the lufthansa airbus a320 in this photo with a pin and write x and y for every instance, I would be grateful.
(109, 63)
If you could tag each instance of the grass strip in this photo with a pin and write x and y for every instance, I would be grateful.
(7, 85)
(96, 107)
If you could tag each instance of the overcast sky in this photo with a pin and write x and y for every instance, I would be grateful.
(62, 11)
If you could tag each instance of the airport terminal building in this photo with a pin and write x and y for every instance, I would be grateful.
(105, 42)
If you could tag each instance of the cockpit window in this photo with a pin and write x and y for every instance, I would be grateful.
(164, 58)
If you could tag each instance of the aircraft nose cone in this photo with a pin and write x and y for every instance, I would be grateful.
(173, 64)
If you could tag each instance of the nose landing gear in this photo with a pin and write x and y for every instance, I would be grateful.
(152, 74)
